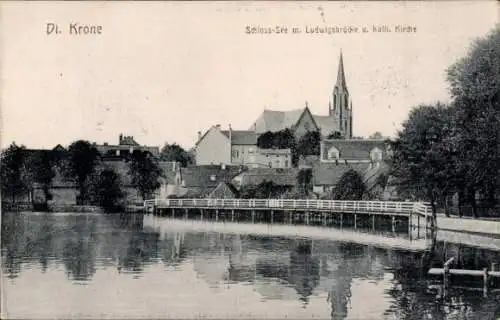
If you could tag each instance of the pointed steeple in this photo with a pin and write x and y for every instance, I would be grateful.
(341, 84)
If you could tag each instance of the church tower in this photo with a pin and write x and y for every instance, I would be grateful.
(341, 107)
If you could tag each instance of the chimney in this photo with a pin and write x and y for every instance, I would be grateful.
(217, 126)
(120, 139)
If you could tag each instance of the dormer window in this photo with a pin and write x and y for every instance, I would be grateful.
(333, 154)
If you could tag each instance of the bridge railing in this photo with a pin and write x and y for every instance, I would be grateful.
(419, 208)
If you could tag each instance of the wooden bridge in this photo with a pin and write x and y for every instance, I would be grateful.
(286, 210)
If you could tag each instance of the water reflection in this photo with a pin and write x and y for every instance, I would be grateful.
(300, 276)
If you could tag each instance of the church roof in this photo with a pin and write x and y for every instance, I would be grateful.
(341, 83)
(272, 120)
(327, 124)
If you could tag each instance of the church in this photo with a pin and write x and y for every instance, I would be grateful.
(339, 118)
(239, 147)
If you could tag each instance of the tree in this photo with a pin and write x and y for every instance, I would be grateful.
(376, 135)
(12, 171)
(145, 172)
(424, 159)
(304, 181)
(309, 144)
(335, 135)
(174, 152)
(108, 190)
(475, 88)
(41, 167)
(349, 187)
(81, 162)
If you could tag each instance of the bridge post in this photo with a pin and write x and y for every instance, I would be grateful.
(373, 222)
(173, 212)
(410, 224)
(253, 216)
(324, 218)
(307, 217)
(393, 224)
(485, 282)
(272, 216)
(201, 214)
(355, 221)
(216, 214)
(186, 213)
(341, 219)
(232, 215)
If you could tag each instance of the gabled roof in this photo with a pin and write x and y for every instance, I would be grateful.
(354, 149)
(207, 175)
(206, 132)
(280, 176)
(224, 190)
(272, 120)
(242, 137)
(329, 174)
(327, 124)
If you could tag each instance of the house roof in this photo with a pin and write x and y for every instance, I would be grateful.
(327, 124)
(280, 176)
(354, 149)
(208, 175)
(329, 174)
(224, 188)
(242, 137)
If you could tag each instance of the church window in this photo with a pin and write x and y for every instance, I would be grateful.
(333, 154)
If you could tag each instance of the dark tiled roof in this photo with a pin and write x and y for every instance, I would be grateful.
(327, 174)
(354, 149)
(327, 124)
(224, 190)
(207, 175)
(308, 161)
(242, 137)
(280, 176)
(271, 120)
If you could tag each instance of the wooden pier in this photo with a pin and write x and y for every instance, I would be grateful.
(289, 211)
(486, 274)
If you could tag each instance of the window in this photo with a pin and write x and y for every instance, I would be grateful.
(376, 154)
(213, 177)
(286, 163)
(333, 154)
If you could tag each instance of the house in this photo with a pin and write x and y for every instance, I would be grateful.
(237, 147)
(368, 157)
(354, 150)
(126, 145)
(201, 181)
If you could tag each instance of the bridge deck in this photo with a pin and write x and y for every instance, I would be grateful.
(392, 208)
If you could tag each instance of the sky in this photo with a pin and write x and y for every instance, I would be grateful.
(162, 71)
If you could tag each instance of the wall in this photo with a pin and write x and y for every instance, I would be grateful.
(213, 148)
(306, 123)
(242, 154)
(279, 158)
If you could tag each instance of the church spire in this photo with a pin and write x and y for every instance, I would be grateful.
(341, 83)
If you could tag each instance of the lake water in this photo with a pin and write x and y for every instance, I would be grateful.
(124, 266)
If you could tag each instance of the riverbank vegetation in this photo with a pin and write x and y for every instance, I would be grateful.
(80, 167)
(453, 150)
